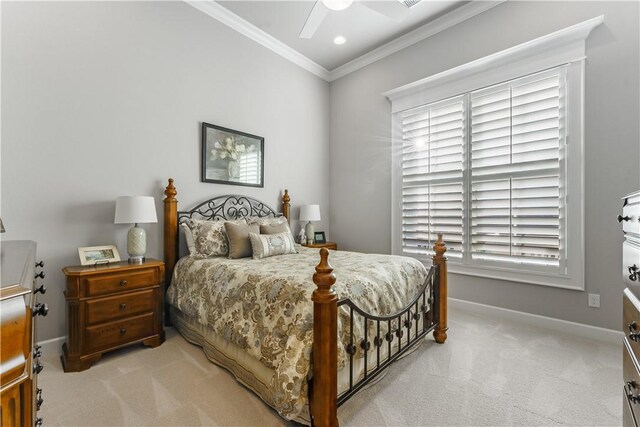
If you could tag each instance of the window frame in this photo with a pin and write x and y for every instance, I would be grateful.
(563, 48)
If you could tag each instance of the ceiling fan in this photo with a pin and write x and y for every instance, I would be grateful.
(393, 9)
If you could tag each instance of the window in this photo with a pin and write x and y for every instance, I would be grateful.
(491, 155)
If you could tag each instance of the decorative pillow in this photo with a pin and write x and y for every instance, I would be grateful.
(275, 228)
(266, 245)
(266, 221)
(208, 237)
(188, 236)
(238, 235)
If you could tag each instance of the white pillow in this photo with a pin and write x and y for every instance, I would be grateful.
(266, 245)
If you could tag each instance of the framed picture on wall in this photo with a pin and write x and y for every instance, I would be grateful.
(231, 157)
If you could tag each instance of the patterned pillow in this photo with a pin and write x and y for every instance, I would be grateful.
(266, 245)
(209, 237)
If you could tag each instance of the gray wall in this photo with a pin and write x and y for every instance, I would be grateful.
(361, 154)
(105, 99)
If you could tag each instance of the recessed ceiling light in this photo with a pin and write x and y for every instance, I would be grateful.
(337, 4)
(339, 40)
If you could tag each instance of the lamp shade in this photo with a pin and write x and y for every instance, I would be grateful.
(310, 213)
(135, 209)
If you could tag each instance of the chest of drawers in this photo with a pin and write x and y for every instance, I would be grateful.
(19, 355)
(109, 307)
(630, 220)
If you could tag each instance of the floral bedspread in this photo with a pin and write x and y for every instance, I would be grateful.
(264, 306)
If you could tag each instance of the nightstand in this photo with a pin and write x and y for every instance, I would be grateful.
(109, 307)
(328, 245)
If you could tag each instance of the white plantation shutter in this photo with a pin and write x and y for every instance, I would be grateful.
(491, 153)
(433, 139)
(516, 141)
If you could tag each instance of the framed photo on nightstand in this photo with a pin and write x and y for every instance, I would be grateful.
(319, 237)
(92, 255)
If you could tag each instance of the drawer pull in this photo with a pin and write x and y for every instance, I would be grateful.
(38, 367)
(633, 334)
(40, 264)
(40, 310)
(39, 399)
(123, 331)
(38, 422)
(623, 218)
(123, 282)
(123, 306)
(40, 275)
(634, 272)
(42, 289)
(37, 351)
(631, 385)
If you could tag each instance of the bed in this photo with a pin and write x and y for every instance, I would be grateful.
(302, 338)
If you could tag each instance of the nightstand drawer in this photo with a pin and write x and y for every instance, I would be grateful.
(107, 284)
(118, 333)
(119, 306)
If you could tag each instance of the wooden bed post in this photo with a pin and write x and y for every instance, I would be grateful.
(170, 238)
(325, 346)
(440, 333)
(286, 205)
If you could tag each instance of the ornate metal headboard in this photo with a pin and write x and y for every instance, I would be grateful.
(227, 207)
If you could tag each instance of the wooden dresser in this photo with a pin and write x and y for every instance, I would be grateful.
(630, 220)
(109, 307)
(19, 356)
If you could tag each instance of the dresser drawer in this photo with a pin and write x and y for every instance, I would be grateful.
(631, 214)
(117, 333)
(631, 263)
(631, 319)
(631, 381)
(119, 306)
(627, 416)
(105, 284)
(15, 329)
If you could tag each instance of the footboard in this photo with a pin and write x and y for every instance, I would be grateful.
(393, 335)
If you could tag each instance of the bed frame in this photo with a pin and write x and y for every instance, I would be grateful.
(430, 304)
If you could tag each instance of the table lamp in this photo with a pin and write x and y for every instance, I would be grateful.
(135, 210)
(309, 213)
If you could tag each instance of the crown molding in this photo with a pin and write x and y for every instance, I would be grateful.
(432, 28)
(230, 19)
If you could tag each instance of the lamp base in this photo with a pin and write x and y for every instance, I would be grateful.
(309, 231)
(136, 244)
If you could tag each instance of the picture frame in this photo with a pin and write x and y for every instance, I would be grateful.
(319, 237)
(231, 157)
(94, 255)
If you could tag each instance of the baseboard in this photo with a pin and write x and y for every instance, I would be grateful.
(571, 328)
(52, 347)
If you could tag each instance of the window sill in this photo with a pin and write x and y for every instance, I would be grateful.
(532, 278)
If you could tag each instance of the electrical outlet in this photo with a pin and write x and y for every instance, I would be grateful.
(594, 300)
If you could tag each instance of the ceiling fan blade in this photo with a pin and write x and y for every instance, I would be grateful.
(314, 20)
(391, 9)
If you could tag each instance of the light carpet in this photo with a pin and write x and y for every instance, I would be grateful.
(489, 373)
